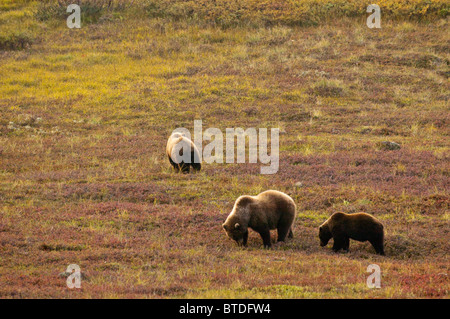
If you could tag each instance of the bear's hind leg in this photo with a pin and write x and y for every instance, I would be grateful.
(244, 241)
(291, 233)
(195, 162)
(284, 227)
(346, 244)
(378, 245)
(184, 168)
(174, 165)
(282, 233)
(196, 167)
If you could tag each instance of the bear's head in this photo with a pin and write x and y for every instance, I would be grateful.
(324, 235)
(235, 231)
(236, 225)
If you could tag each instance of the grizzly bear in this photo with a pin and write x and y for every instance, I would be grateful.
(176, 145)
(359, 226)
(268, 210)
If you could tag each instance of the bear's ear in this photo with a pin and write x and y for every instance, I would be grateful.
(320, 228)
(236, 225)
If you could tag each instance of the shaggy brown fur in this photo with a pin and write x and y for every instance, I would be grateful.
(360, 226)
(269, 210)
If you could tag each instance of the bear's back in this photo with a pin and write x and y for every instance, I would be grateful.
(357, 225)
(281, 200)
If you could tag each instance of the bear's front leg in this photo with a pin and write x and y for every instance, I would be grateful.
(338, 243)
(265, 235)
(244, 239)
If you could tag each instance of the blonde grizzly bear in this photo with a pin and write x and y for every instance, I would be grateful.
(360, 226)
(268, 210)
(182, 153)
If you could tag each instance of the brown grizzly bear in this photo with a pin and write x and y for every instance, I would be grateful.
(176, 145)
(268, 210)
(359, 226)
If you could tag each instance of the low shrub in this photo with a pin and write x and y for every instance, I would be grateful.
(91, 10)
(15, 40)
(227, 13)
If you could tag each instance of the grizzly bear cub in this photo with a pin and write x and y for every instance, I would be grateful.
(359, 226)
(176, 145)
(268, 210)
